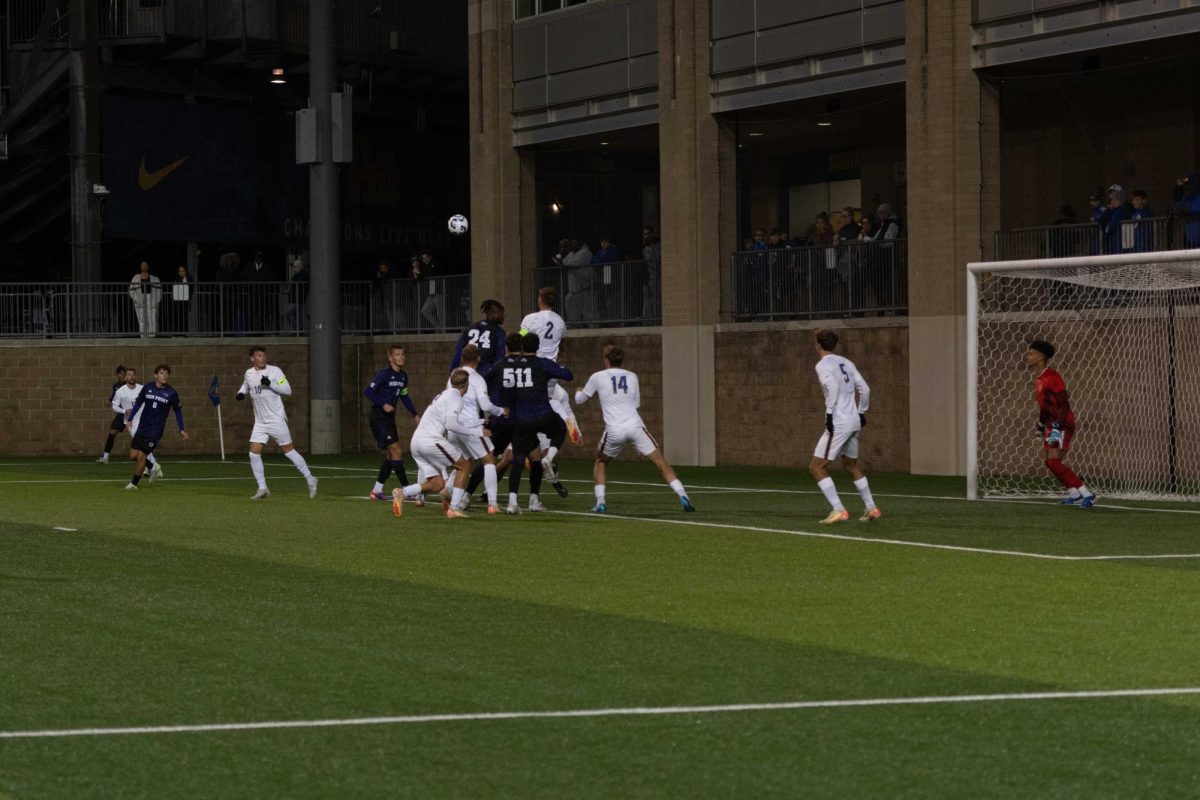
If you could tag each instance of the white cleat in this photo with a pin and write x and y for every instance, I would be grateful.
(549, 472)
(536, 505)
(131, 487)
(261, 494)
(512, 508)
(156, 472)
(102, 460)
(312, 487)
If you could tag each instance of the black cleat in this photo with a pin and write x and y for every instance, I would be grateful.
(558, 487)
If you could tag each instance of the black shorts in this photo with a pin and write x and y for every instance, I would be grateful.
(118, 423)
(383, 425)
(525, 437)
(143, 445)
(502, 434)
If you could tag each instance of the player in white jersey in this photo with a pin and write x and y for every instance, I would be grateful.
(847, 398)
(478, 446)
(551, 329)
(267, 385)
(122, 403)
(620, 398)
(434, 452)
(546, 323)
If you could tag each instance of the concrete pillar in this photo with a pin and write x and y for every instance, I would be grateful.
(953, 177)
(324, 238)
(504, 209)
(696, 158)
(84, 70)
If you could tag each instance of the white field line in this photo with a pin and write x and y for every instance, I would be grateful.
(186, 480)
(875, 540)
(634, 711)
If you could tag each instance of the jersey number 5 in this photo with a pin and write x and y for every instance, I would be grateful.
(845, 374)
(518, 378)
(621, 385)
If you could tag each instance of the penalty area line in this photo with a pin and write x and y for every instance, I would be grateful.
(633, 711)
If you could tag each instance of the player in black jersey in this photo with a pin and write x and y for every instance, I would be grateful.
(487, 335)
(524, 388)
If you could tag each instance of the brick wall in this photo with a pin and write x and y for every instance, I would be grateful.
(56, 402)
(770, 409)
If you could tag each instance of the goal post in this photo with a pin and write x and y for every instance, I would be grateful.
(1127, 332)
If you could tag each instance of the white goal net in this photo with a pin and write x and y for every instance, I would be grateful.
(1127, 333)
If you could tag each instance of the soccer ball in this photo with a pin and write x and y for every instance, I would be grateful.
(458, 224)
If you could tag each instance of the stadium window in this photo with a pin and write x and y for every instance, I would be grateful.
(526, 8)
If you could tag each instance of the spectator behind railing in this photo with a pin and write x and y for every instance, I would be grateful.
(432, 311)
(575, 257)
(181, 301)
(604, 258)
(258, 296)
(652, 255)
(1112, 220)
(1187, 209)
(1138, 235)
(383, 299)
(145, 290)
(296, 313)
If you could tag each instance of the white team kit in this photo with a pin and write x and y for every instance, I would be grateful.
(550, 329)
(270, 418)
(840, 383)
(430, 447)
(475, 403)
(620, 398)
(123, 400)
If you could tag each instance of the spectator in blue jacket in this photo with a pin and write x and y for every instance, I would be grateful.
(1111, 219)
(1187, 208)
(1142, 240)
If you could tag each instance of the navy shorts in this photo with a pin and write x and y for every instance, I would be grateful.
(383, 425)
(143, 445)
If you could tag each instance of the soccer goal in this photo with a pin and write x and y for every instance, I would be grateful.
(1127, 331)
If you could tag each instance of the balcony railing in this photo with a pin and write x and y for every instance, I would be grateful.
(851, 279)
(1088, 239)
(114, 310)
(616, 294)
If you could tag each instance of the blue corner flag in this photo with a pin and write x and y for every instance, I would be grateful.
(213, 393)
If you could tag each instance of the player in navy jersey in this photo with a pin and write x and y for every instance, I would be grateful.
(118, 421)
(487, 335)
(524, 388)
(154, 403)
(386, 390)
(499, 428)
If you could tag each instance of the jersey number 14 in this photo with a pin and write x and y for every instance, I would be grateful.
(619, 385)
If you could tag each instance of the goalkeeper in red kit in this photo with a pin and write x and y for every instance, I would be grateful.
(1056, 422)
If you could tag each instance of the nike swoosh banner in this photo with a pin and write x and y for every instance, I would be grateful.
(194, 171)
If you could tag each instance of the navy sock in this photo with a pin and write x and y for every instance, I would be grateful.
(385, 469)
(535, 477)
(398, 468)
(108, 443)
(476, 479)
(514, 475)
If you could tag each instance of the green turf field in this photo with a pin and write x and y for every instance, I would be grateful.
(419, 657)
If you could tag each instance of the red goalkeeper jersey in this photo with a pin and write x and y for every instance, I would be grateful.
(1054, 401)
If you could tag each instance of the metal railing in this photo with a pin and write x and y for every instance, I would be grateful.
(117, 310)
(1088, 239)
(616, 294)
(850, 279)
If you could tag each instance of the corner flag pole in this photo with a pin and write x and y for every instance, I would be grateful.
(214, 394)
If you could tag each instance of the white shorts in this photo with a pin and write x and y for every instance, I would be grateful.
(434, 455)
(475, 447)
(264, 431)
(841, 444)
(614, 441)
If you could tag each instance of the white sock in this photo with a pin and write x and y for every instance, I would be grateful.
(830, 492)
(456, 500)
(512, 498)
(490, 482)
(378, 488)
(412, 491)
(256, 466)
(550, 454)
(297, 459)
(151, 460)
(677, 486)
(1083, 490)
(864, 491)
(1072, 492)
(599, 492)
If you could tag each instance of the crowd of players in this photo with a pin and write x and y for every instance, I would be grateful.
(503, 408)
